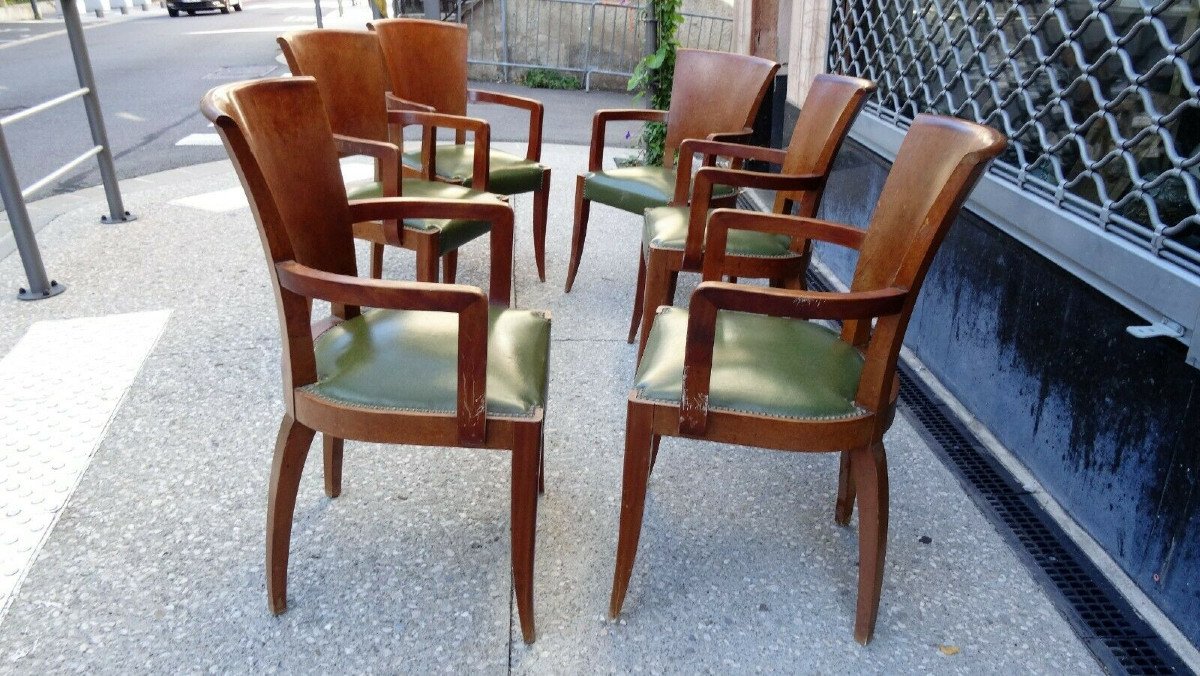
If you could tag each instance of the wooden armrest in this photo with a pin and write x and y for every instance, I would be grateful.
(711, 297)
(721, 221)
(387, 158)
(712, 150)
(392, 211)
(394, 102)
(537, 113)
(732, 136)
(601, 119)
(467, 302)
(430, 123)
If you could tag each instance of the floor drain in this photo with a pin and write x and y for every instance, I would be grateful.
(1103, 619)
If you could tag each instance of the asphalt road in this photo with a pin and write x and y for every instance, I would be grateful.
(151, 71)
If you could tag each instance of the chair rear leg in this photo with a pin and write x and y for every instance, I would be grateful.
(333, 464)
(427, 259)
(583, 209)
(291, 449)
(639, 295)
(541, 202)
(525, 461)
(376, 260)
(844, 507)
(450, 266)
(542, 460)
(633, 500)
(869, 467)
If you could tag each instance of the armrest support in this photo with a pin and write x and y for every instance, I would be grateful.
(430, 123)
(467, 302)
(711, 297)
(601, 119)
(732, 136)
(537, 113)
(392, 211)
(721, 221)
(387, 158)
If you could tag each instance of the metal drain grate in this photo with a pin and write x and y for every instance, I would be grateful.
(1116, 635)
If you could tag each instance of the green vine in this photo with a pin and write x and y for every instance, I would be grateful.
(654, 74)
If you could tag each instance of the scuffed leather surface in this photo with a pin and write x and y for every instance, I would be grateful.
(454, 233)
(409, 360)
(635, 189)
(766, 365)
(667, 228)
(508, 174)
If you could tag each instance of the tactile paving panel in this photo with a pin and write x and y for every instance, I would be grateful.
(59, 387)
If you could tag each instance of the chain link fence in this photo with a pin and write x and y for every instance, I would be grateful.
(1099, 97)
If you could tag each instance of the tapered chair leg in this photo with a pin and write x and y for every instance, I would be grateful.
(633, 500)
(659, 291)
(583, 209)
(450, 266)
(639, 294)
(869, 467)
(291, 449)
(656, 440)
(376, 260)
(525, 460)
(541, 203)
(333, 464)
(844, 507)
(542, 461)
(427, 259)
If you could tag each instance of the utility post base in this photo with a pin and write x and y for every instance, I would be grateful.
(124, 219)
(51, 291)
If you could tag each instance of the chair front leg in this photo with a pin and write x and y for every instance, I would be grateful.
(869, 467)
(291, 449)
(333, 447)
(376, 260)
(660, 289)
(583, 208)
(638, 442)
(541, 204)
(526, 461)
(844, 507)
(427, 258)
(639, 295)
(450, 266)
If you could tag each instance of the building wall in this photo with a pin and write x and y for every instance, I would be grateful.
(1109, 424)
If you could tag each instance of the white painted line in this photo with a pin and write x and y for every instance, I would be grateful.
(59, 388)
(199, 140)
(51, 34)
(217, 201)
(260, 29)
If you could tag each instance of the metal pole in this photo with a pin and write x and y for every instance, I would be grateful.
(651, 47)
(37, 12)
(433, 9)
(504, 35)
(317, 9)
(91, 104)
(18, 218)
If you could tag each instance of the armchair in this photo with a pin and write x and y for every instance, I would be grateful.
(427, 64)
(745, 365)
(433, 364)
(673, 236)
(715, 96)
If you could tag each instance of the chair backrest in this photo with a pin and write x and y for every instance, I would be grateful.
(713, 92)
(426, 61)
(279, 139)
(351, 76)
(829, 110)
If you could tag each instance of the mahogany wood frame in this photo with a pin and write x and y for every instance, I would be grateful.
(306, 226)
(935, 170)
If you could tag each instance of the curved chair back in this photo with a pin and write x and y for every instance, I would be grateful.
(830, 108)
(713, 92)
(426, 61)
(351, 77)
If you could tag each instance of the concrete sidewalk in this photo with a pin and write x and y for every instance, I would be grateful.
(155, 563)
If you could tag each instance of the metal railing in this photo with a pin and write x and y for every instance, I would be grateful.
(40, 286)
(587, 37)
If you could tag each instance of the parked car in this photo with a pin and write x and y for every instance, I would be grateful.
(174, 7)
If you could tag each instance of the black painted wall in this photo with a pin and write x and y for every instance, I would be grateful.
(1108, 423)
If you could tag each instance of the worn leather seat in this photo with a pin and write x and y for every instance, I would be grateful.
(358, 361)
(635, 189)
(508, 174)
(667, 228)
(763, 365)
(453, 233)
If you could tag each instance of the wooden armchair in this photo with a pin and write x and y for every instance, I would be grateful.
(427, 62)
(746, 366)
(433, 365)
(350, 73)
(673, 236)
(715, 95)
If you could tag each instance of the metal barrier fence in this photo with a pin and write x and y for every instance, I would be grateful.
(587, 37)
(1099, 98)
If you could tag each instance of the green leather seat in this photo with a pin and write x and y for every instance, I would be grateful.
(508, 174)
(766, 365)
(635, 189)
(454, 233)
(407, 360)
(667, 228)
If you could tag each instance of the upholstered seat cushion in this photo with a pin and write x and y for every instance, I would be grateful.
(635, 189)
(667, 228)
(764, 365)
(453, 233)
(508, 174)
(408, 360)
